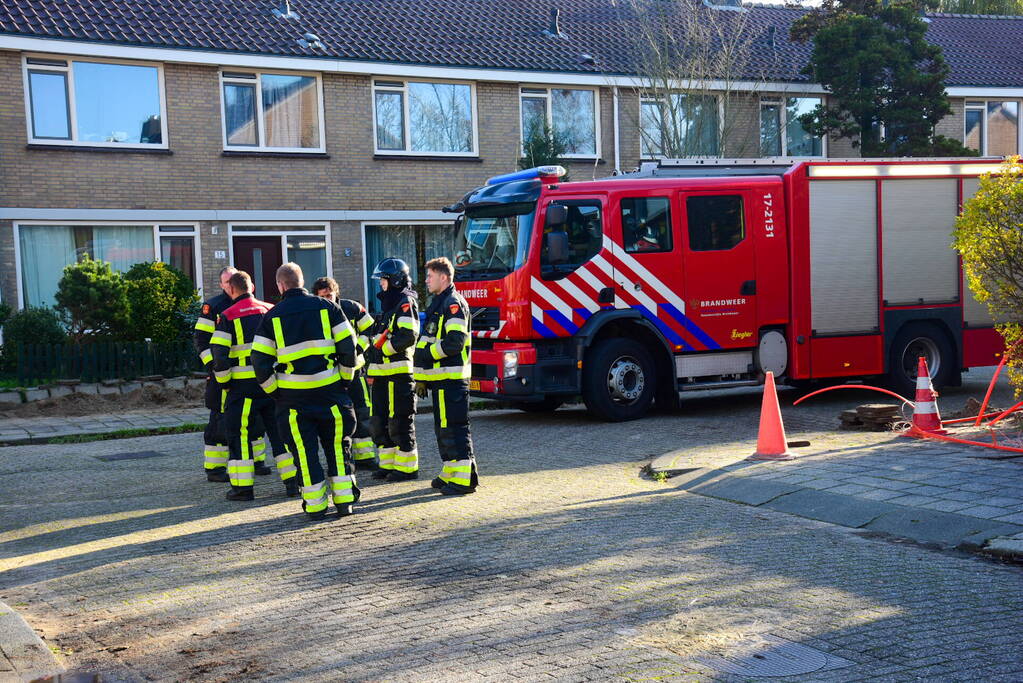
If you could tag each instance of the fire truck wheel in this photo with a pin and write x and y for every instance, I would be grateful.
(548, 405)
(618, 380)
(915, 340)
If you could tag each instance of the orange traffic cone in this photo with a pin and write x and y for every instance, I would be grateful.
(771, 443)
(925, 413)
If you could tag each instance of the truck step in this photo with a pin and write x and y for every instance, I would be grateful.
(725, 384)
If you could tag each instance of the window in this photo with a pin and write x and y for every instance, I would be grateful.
(570, 114)
(715, 222)
(992, 128)
(683, 125)
(418, 117)
(90, 103)
(646, 224)
(781, 133)
(272, 112)
(44, 251)
(566, 247)
(414, 244)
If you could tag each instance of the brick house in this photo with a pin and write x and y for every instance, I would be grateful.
(331, 132)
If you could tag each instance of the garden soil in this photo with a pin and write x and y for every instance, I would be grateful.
(140, 400)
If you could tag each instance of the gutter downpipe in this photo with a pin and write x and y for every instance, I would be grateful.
(614, 99)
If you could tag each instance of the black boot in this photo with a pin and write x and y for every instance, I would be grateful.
(291, 487)
(263, 469)
(437, 483)
(217, 475)
(345, 509)
(454, 490)
(240, 493)
(381, 474)
(398, 475)
(367, 465)
(316, 516)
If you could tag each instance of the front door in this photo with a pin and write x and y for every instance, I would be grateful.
(718, 267)
(260, 257)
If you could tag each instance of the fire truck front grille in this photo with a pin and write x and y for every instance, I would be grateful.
(480, 371)
(485, 318)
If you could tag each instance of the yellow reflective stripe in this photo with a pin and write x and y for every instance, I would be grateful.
(240, 349)
(223, 400)
(313, 347)
(369, 399)
(246, 409)
(443, 409)
(320, 379)
(390, 399)
(363, 342)
(205, 325)
(278, 333)
(270, 384)
(339, 435)
(436, 351)
(296, 437)
(388, 348)
(243, 372)
(325, 322)
(408, 323)
(365, 322)
(456, 324)
(206, 356)
(341, 331)
(264, 345)
(240, 472)
(222, 376)
(286, 466)
(221, 338)
(406, 461)
(444, 372)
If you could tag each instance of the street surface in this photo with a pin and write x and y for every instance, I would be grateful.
(567, 564)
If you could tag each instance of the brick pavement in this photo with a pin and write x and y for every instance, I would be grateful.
(567, 564)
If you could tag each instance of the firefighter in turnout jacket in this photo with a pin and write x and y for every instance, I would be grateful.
(247, 404)
(214, 438)
(302, 355)
(442, 364)
(390, 367)
(363, 451)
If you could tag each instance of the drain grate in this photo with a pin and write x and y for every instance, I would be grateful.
(137, 455)
(770, 656)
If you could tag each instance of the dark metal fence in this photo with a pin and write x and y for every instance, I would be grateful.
(41, 363)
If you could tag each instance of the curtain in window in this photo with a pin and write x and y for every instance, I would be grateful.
(290, 111)
(45, 250)
(384, 241)
(122, 245)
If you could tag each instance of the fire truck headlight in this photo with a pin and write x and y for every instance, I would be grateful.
(511, 363)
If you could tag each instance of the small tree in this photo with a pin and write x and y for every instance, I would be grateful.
(94, 301)
(160, 295)
(989, 236)
(872, 55)
(29, 326)
(543, 147)
(1014, 7)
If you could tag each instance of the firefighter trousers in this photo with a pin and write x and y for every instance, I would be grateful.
(215, 450)
(244, 417)
(329, 424)
(394, 423)
(454, 442)
(362, 439)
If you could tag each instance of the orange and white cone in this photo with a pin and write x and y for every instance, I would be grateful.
(771, 443)
(925, 412)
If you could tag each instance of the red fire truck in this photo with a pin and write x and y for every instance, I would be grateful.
(691, 275)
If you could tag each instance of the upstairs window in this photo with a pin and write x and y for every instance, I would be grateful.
(716, 222)
(95, 104)
(992, 128)
(418, 117)
(272, 112)
(782, 134)
(681, 125)
(571, 114)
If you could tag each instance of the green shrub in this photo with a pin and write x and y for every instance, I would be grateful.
(30, 326)
(94, 300)
(5, 314)
(989, 237)
(160, 297)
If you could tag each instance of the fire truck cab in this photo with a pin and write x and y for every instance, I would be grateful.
(692, 275)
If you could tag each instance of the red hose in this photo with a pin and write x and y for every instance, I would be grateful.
(852, 386)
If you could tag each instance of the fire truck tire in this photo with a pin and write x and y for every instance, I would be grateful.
(917, 339)
(618, 380)
(548, 405)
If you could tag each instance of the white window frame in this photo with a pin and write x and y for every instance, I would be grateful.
(156, 225)
(256, 80)
(317, 228)
(386, 86)
(643, 97)
(532, 91)
(69, 73)
(981, 105)
(779, 101)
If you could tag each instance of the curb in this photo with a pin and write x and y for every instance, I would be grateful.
(23, 650)
(929, 527)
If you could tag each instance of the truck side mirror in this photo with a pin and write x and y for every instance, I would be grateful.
(557, 215)
(557, 247)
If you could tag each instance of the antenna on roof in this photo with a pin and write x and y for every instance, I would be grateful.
(284, 11)
(554, 29)
(310, 40)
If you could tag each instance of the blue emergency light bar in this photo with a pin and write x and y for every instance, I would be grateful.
(553, 172)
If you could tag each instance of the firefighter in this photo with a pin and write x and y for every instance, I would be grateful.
(301, 355)
(390, 367)
(246, 403)
(363, 451)
(443, 366)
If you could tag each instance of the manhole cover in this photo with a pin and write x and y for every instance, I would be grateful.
(770, 656)
(138, 455)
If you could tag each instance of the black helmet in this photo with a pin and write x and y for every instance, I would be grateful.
(395, 271)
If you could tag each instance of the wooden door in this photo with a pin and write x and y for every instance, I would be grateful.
(260, 257)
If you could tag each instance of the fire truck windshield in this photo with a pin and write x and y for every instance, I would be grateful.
(493, 241)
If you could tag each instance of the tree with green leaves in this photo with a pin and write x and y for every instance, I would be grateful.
(542, 146)
(1005, 7)
(883, 75)
(989, 237)
(160, 296)
(94, 301)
